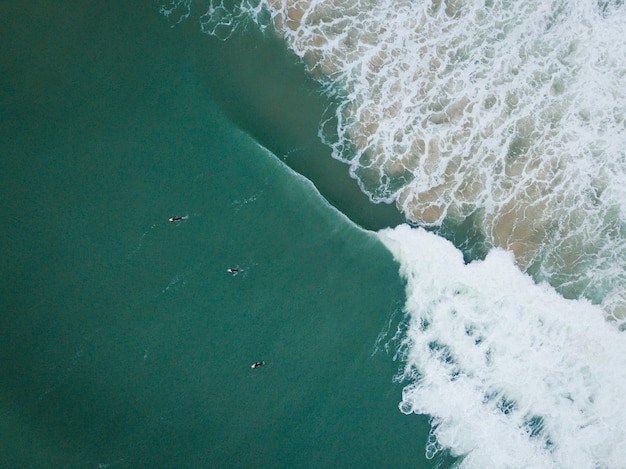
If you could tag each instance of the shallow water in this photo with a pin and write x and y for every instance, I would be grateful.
(512, 113)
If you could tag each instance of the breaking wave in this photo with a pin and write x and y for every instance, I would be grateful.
(510, 116)
(511, 373)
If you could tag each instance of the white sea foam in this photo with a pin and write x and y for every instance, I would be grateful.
(511, 111)
(513, 374)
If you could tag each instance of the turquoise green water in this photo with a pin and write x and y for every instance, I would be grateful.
(125, 343)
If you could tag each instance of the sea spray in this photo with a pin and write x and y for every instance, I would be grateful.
(513, 374)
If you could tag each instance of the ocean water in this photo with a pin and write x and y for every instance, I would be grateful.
(499, 126)
(424, 200)
(125, 342)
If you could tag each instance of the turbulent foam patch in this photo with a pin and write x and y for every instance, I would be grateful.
(219, 18)
(511, 111)
(513, 374)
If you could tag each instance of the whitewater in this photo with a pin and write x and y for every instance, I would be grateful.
(512, 116)
(512, 373)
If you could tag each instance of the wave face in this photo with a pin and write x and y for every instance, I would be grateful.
(513, 374)
(512, 113)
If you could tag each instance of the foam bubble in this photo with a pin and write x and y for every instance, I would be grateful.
(513, 374)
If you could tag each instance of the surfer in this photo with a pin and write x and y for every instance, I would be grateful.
(234, 270)
(257, 364)
(176, 218)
